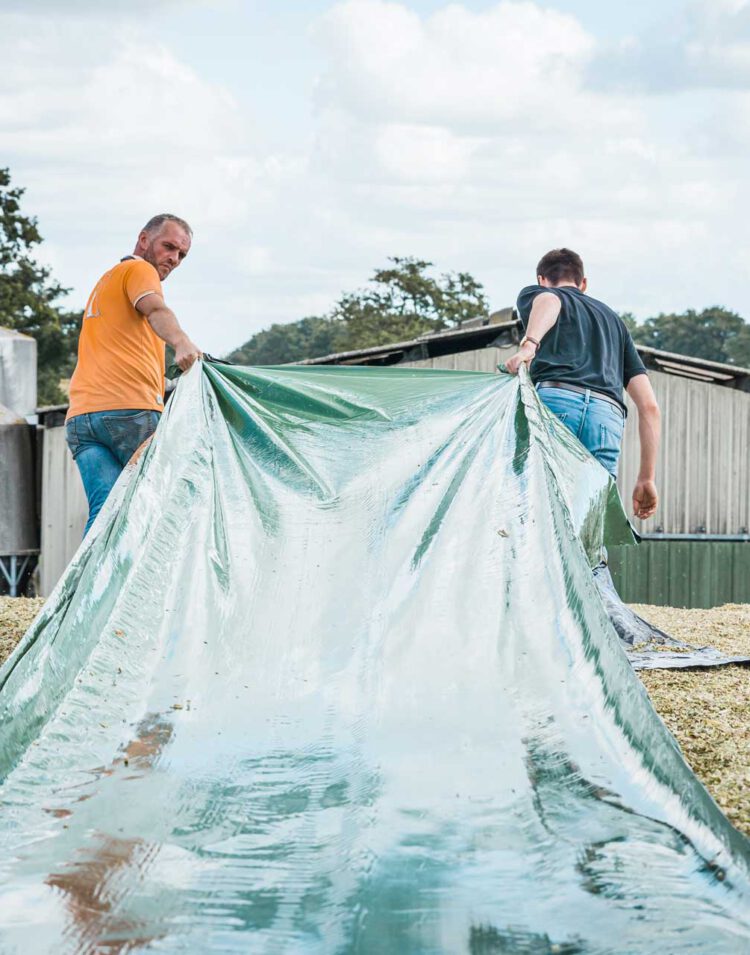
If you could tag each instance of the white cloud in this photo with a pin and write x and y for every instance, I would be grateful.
(256, 259)
(109, 129)
(456, 67)
(86, 8)
(132, 111)
(480, 136)
(476, 139)
(708, 47)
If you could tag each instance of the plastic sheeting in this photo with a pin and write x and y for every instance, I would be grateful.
(648, 647)
(308, 687)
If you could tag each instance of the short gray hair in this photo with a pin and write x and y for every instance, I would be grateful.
(156, 222)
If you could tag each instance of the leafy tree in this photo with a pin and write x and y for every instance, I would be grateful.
(407, 290)
(281, 344)
(401, 302)
(631, 322)
(740, 347)
(28, 296)
(715, 333)
(362, 321)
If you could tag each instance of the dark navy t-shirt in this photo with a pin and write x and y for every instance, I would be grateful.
(588, 346)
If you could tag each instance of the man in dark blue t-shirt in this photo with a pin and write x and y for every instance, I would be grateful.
(581, 357)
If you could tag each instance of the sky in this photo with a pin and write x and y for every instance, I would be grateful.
(306, 142)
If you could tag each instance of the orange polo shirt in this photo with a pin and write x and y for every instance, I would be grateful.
(120, 357)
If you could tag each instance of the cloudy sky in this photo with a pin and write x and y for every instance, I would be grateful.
(308, 140)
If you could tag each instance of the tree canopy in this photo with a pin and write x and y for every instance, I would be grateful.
(714, 333)
(401, 302)
(281, 344)
(28, 296)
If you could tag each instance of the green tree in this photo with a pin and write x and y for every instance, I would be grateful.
(740, 347)
(715, 333)
(281, 344)
(631, 322)
(401, 302)
(28, 295)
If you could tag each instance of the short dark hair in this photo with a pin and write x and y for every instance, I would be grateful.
(561, 265)
(155, 223)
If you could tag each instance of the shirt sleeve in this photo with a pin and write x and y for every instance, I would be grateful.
(141, 279)
(632, 365)
(526, 298)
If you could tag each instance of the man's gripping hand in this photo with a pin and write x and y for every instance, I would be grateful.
(645, 499)
(186, 352)
(524, 355)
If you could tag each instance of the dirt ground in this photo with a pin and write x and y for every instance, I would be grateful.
(707, 710)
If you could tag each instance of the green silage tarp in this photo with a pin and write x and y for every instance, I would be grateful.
(331, 674)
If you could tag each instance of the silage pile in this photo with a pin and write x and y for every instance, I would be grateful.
(16, 615)
(707, 710)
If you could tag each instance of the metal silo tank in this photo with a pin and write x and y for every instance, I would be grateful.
(18, 368)
(18, 526)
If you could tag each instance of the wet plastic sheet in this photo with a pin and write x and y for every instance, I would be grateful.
(308, 687)
(648, 647)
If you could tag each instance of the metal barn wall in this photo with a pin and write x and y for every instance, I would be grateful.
(482, 359)
(64, 509)
(703, 472)
(683, 573)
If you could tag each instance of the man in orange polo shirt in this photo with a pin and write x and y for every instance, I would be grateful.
(117, 388)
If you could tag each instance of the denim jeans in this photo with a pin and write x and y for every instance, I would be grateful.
(596, 423)
(102, 443)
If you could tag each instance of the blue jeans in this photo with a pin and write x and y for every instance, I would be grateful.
(102, 443)
(596, 423)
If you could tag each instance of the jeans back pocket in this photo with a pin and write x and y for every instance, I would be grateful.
(127, 431)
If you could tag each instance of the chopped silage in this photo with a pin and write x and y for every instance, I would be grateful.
(707, 710)
(16, 616)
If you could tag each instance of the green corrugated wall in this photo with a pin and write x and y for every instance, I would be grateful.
(682, 573)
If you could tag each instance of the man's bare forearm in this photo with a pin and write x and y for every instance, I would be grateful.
(645, 496)
(544, 314)
(164, 322)
(649, 432)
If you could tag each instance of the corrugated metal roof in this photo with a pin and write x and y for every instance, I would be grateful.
(455, 340)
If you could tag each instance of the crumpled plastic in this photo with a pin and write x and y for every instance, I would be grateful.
(648, 647)
(331, 673)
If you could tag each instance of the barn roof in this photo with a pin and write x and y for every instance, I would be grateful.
(502, 329)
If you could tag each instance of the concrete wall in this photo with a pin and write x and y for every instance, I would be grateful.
(64, 509)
